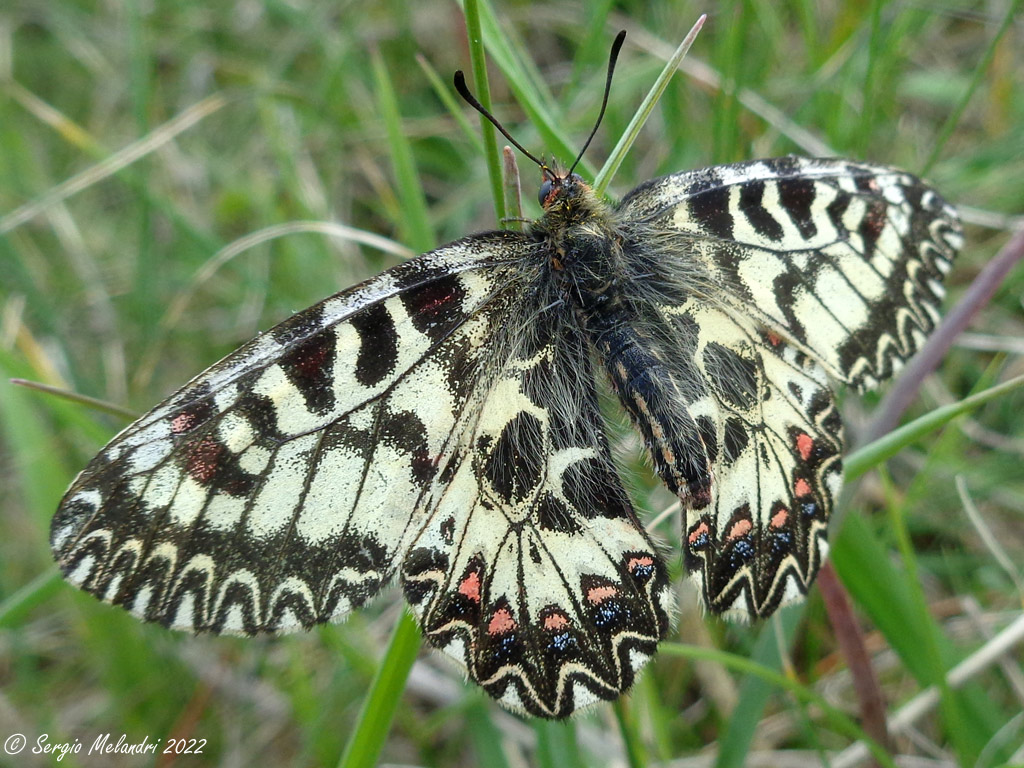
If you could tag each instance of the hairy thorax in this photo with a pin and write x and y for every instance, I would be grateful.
(598, 267)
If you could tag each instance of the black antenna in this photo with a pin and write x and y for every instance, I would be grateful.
(460, 86)
(619, 38)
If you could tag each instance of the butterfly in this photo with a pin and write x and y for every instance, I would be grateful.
(439, 423)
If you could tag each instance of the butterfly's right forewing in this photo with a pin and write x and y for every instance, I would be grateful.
(272, 492)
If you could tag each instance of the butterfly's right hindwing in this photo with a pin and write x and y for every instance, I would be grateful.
(272, 492)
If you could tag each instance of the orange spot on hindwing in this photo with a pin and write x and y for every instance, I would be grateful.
(501, 622)
(804, 444)
(556, 621)
(740, 528)
(780, 517)
(599, 594)
(470, 586)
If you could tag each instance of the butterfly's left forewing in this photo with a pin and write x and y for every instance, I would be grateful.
(273, 491)
(846, 260)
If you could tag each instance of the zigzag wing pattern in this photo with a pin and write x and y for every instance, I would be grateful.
(774, 439)
(532, 571)
(843, 259)
(273, 491)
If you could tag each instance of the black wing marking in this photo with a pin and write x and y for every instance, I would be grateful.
(843, 259)
(532, 569)
(272, 491)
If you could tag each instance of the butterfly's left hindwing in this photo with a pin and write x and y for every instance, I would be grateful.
(774, 439)
(273, 491)
(532, 570)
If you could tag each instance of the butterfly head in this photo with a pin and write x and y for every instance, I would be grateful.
(556, 185)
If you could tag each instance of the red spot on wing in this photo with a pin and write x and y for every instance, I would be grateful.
(698, 532)
(773, 338)
(556, 621)
(204, 460)
(435, 304)
(597, 595)
(182, 422)
(639, 562)
(874, 221)
(804, 444)
(802, 487)
(501, 622)
(779, 518)
(470, 587)
(310, 358)
(740, 528)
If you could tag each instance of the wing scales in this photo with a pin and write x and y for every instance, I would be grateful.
(273, 491)
(774, 437)
(532, 570)
(844, 259)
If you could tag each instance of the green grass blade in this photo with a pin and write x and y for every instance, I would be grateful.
(863, 459)
(487, 739)
(735, 742)
(415, 221)
(979, 72)
(74, 397)
(836, 718)
(374, 722)
(955, 714)
(556, 744)
(530, 93)
(478, 59)
(16, 608)
(636, 755)
(622, 148)
(443, 91)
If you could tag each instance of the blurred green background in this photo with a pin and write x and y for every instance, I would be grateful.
(169, 175)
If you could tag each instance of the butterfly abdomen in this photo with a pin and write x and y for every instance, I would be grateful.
(646, 378)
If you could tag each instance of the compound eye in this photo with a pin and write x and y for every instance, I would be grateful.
(545, 190)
